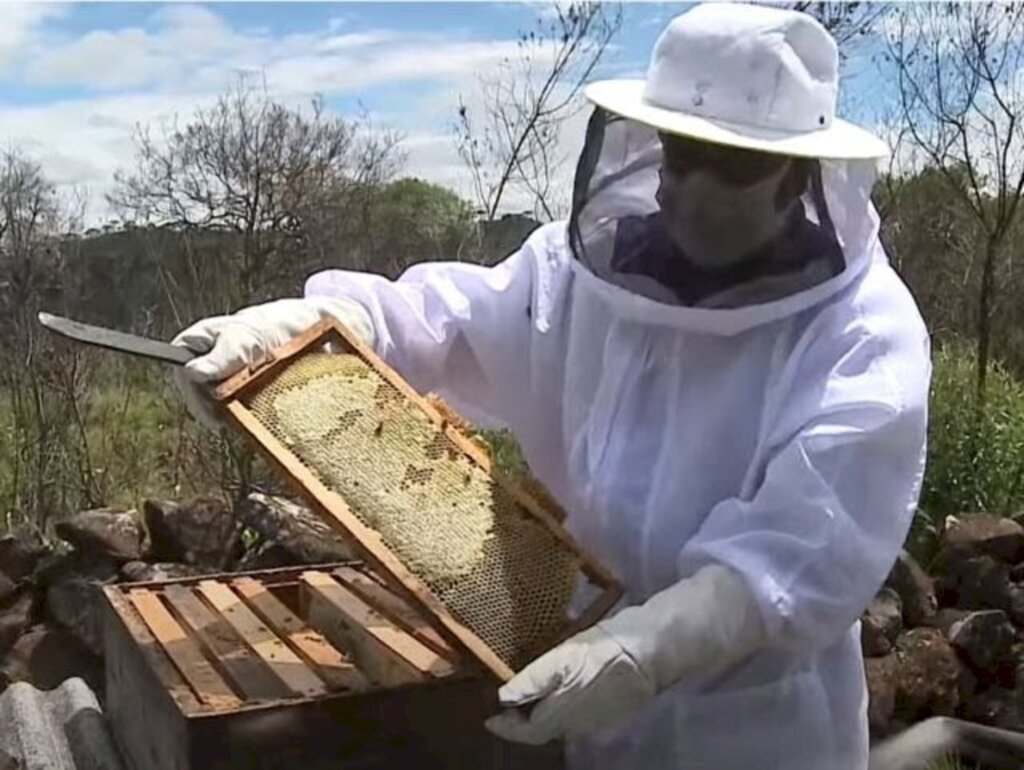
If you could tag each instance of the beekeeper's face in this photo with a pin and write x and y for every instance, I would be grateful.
(720, 203)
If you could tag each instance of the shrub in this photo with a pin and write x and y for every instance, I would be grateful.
(975, 457)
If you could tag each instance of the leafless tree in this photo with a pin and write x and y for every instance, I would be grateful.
(254, 177)
(28, 212)
(35, 378)
(848, 22)
(510, 142)
(256, 194)
(960, 91)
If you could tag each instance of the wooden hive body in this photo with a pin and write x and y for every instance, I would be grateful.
(304, 668)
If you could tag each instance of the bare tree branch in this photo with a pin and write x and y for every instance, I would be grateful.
(511, 146)
(271, 176)
(958, 77)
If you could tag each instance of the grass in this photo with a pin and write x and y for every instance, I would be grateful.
(950, 763)
(508, 457)
(119, 442)
(126, 439)
(134, 441)
(975, 460)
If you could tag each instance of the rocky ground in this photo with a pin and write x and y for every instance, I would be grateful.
(949, 643)
(51, 609)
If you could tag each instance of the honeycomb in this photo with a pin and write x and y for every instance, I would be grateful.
(497, 570)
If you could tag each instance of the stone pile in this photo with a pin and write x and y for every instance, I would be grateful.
(950, 642)
(51, 614)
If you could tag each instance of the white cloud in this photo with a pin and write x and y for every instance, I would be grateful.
(188, 54)
(948, 32)
(194, 49)
(186, 39)
(356, 40)
(195, 28)
(81, 143)
(103, 60)
(21, 23)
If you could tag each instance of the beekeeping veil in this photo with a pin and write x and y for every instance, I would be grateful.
(735, 76)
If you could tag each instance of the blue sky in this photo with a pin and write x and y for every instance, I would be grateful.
(75, 79)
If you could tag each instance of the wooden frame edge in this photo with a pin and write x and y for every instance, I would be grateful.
(335, 512)
(235, 385)
(588, 564)
(368, 541)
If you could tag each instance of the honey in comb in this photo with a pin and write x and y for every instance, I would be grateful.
(498, 571)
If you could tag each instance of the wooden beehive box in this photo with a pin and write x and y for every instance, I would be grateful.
(301, 668)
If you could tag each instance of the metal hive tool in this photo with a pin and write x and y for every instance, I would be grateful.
(419, 499)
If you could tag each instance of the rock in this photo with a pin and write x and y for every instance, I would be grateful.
(293, 533)
(995, 706)
(985, 639)
(1015, 681)
(63, 565)
(73, 594)
(20, 552)
(967, 685)
(115, 534)
(881, 623)
(8, 588)
(76, 606)
(200, 533)
(266, 556)
(915, 589)
(982, 534)
(946, 617)
(141, 572)
(977, 583)
(47, 656)
(1016, 610)
(1006, 672)
(928, 679)
(14, 620)
(881, 679)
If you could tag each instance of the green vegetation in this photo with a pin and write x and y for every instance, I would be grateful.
(129, 438)
(508, 457)
(951, 763)
(975, 457)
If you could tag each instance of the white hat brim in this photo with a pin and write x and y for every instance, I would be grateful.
(840, 140)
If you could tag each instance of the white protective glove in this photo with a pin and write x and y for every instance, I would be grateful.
(227, 344)
(598, 678)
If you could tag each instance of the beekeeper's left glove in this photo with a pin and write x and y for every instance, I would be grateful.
(227, 344)
(600, 677)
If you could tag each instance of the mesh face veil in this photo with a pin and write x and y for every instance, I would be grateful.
(622, 233)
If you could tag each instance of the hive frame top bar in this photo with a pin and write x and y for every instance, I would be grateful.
(332, 507)
(211, 660)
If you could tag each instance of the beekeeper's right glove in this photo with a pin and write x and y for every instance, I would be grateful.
(227, 344)
(599, 678)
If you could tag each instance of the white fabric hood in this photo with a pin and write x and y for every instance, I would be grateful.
(616, 179)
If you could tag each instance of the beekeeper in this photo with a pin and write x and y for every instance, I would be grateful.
(714, 368)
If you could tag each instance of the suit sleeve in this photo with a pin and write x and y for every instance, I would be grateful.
(457, 329)
(824, 523)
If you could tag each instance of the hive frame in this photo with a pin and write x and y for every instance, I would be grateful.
(333, 508)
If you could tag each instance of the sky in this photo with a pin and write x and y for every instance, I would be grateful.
(76, 80)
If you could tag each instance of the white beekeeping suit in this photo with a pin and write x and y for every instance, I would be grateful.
(723, 382)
